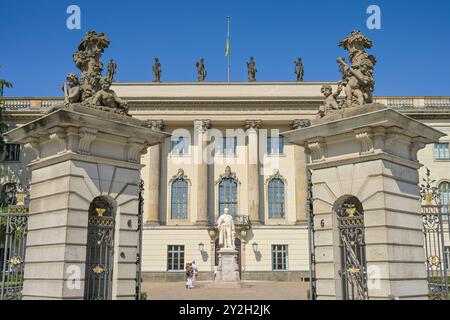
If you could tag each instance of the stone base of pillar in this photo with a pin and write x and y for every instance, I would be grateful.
(368, 154)
(82, 155)
(228, 269)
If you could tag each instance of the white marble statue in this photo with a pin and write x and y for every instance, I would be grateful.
(225, 224)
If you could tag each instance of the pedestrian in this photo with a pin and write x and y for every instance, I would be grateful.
(194, 273)
(189, 275)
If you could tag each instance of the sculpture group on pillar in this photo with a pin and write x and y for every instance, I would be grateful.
(357, 77)
(93, 90)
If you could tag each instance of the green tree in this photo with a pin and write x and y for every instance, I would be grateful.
(3, 84)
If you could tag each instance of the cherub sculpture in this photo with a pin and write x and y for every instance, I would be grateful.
(330, 102)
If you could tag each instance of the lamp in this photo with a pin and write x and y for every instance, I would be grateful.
(255, 247)
(201, 247)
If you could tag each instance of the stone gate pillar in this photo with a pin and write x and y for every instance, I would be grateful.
(82, 154)
(365, 180)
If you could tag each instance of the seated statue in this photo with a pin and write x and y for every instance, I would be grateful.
(109, 99)
(73, 93)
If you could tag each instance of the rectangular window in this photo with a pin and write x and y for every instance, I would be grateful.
(12, 152)
(175, 258)
(447, 256)
(441, 151)
(180, 145)
(275, 145)
(279, 257)
(227, 145)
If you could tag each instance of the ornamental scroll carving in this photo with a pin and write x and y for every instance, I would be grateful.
(317, 149)
(87, 135)
(365, 138)
(135, 149)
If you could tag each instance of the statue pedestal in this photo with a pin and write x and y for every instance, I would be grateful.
(85, 179)
(227, 275)
(368, 229)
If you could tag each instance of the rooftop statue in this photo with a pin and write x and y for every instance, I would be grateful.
(251, 69)
(93, 90)
(157, 70)
(201, 71)
(112, 69)
(299, 70)
(357, 78)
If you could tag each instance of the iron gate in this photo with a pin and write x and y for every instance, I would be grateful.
(139, 253)
(13, 238)
(312, 257)
(435, 218)
(353, 250)
(100, 250)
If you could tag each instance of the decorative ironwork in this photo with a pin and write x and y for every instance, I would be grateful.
(139, 229)
(430, 193)
(312, 256)
(98, 269)
(100, 249)
(13, 235)
(353, 250)
(434, 218)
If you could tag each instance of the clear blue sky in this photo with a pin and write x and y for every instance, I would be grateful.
(413, 46)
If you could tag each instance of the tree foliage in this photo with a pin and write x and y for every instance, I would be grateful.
(3, 84)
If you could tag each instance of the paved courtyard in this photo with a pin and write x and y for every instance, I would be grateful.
(251, 290)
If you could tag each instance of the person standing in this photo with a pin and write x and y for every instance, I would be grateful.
(189, 275)
(194, 273)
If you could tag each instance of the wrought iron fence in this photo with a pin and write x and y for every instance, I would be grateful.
(436, 231)
(13, 234)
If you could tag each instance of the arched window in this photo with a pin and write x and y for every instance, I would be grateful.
(444, 189)
(276, 198)
(179, 207)
(228, 195)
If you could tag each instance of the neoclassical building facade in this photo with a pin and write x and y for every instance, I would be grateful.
(226, 151)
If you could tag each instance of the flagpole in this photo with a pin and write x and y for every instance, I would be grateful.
(229, 44)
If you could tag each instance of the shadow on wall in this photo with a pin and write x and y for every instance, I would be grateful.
(205, 256)
(258, 256)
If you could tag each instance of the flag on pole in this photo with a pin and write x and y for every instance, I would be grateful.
(227, 49)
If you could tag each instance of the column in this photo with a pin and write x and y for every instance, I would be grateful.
(301, 176)
(252, 127)
(201, 170)
(151, 186)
